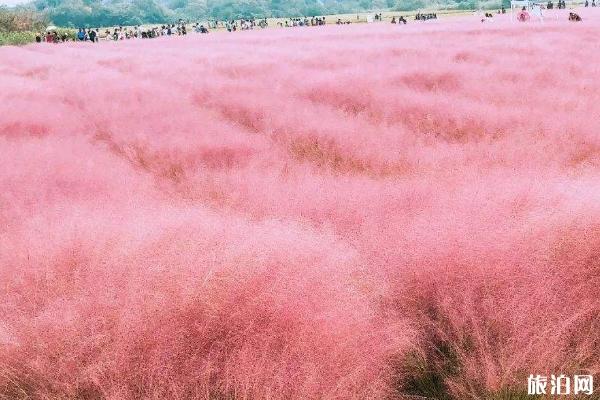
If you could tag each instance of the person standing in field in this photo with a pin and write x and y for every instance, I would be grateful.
(523, 15)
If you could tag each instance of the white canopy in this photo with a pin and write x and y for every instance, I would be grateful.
(535, 6)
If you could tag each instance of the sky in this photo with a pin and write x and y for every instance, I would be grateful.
(11, 2)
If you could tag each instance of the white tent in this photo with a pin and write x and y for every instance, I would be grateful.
(533, 6)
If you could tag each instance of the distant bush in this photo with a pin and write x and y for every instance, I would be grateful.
(16, 38)
(21, 20)
(22, 38)
(18, 26)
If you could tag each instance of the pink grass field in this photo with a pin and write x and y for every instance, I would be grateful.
(344, 212)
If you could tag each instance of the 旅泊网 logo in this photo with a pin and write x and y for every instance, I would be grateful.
(560, 385)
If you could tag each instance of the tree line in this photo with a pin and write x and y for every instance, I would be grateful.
(94, 13)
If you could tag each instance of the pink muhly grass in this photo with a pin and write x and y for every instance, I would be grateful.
(340, 213)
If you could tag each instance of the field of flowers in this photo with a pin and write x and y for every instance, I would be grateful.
(340, 212)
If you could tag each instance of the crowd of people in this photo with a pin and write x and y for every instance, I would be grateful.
(181, 28)
(314, 21)
(401, 20)
(242, 24)
(51, 37)
(561, 5)
(252, 23)
(425, 17)
(119, 33)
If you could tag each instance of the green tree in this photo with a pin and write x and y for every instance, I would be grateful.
(409, 5)
(467, 5)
